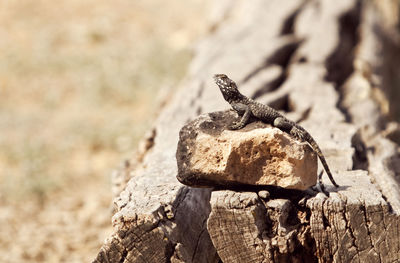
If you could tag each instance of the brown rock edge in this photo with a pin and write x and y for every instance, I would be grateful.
(318, 60)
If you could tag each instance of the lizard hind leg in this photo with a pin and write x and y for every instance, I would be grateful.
(283, 124)
(290, 127)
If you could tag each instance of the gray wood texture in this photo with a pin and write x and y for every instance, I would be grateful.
(318, 62)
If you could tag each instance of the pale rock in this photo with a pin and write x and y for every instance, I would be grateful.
(209, 154)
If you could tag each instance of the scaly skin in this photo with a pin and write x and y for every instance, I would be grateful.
(247, 108)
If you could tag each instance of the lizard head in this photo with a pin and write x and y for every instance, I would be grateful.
(227, 87)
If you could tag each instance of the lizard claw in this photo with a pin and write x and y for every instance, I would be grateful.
(235, 126)
(297, 133)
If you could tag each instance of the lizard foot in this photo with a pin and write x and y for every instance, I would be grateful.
(297, 133)
(236, 126)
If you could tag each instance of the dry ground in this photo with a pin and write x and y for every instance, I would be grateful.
(78, 87)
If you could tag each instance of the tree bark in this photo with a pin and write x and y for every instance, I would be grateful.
(320, 63)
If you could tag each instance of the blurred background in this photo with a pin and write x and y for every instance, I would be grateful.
(79, 82)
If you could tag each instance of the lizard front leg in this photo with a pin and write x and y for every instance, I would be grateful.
(244, 111)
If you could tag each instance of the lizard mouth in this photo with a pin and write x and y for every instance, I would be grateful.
(219, 76)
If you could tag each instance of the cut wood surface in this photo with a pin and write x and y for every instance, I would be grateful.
(319, 63)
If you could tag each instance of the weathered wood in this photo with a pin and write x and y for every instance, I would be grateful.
(318, 62)
(247, 228)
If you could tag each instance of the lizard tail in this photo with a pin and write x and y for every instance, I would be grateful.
(316, 148)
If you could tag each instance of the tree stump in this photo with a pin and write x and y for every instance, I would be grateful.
(320, 63)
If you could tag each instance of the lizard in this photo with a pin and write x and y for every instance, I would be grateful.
(246, 108)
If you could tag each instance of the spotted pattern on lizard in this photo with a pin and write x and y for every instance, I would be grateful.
(246, 108)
